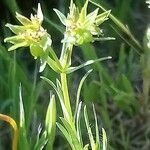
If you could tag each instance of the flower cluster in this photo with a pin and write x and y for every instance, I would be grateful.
(82, 27)
(30, 33)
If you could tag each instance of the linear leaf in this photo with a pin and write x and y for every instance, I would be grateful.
(66, 134)
(79, 90)
(79, 135)
(61, 16)
(72, 133)
(89, 129)
(104, 140)
(89, 62)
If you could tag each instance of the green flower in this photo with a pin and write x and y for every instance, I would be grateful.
(31, 34)
(80, 26)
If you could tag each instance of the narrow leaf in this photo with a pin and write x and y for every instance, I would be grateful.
(92, 142)
(102, 17)
(15, 28)
(23, 20)
(72, 133)
(89, 62)
(66, 134)
(14, 39)
(53, 65)
(97, 131)
(79, 90)
(61, 16)
(83, 12)
(23, 44)
(104, 140)
(50, 122)
(53, 54)
(90, 19)
(39, 13)
(79, 135)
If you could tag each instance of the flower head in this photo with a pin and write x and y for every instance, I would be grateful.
(30, 33)
(80, 26)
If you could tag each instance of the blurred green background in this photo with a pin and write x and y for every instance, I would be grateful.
(115, 86)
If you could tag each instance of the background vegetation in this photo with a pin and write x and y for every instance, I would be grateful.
(117, 87)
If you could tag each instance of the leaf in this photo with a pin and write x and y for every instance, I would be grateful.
(22, 44)
(97, 131)
(65, 112)
(66, 134)
(53, 54)
(23, 20)
(50, 83)
(79, 135)
(15, 28)
(61, 16)
(39, 13)
(79, 90)
(89, 62)
(53, 65)
(90, 19)
(59, 88)
(41, 140)
(17, 39)
(104, 39)
(50, 121)
(83, 13)
(86, 147)
(92, 142)
(102, 17)
(72, 133)
(104, 140)
(22, 131)
(51, 116)
(22, 116)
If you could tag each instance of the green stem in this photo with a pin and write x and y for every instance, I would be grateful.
(65, 58)
(66, 96)
(49, 145)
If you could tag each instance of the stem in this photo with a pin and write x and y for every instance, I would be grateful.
(63, 52)
(49, 145)
(66, 96)
(14, 125)
(65, 57)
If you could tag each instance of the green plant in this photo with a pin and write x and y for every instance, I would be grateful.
(119, 97)
(80, 29)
